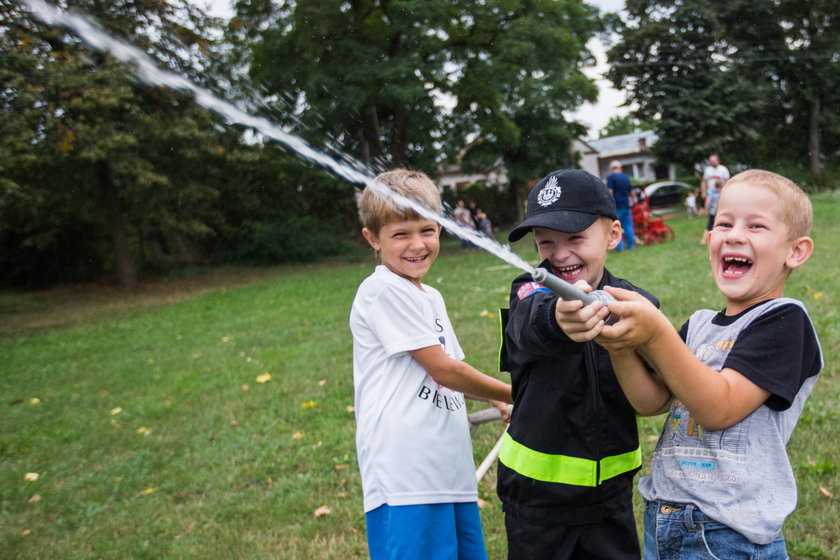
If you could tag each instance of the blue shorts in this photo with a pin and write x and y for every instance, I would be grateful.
(449, 531)
(683, 531)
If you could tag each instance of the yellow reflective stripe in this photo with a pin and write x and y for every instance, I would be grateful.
(546, 467)
(617, 464)
(564, 468)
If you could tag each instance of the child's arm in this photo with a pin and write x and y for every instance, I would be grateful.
(460, 376)
(644, 388)
(717, 399)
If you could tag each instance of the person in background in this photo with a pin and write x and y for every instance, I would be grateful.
(619, 185)
(463, 216)
(691, 204)
(714, 178)
(484, 224)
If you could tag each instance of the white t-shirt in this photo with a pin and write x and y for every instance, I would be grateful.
(412, 435)
(715, 178)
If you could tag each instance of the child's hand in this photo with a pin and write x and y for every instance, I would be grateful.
(639, 322)
(579, 322)
(504, 410)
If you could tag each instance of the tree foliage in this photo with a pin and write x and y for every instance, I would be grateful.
(91, 157)
(412, 83)
(626, 124)
(739, 77)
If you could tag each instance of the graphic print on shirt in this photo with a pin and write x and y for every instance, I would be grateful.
(702, 454)
(441, 397)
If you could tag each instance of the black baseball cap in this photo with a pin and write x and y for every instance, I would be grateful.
(569, 200)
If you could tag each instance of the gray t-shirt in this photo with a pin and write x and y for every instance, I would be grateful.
(741, 476)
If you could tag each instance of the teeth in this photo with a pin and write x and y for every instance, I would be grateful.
(568, 268)
(737, 259)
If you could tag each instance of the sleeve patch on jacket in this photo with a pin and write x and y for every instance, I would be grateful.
(530, 288)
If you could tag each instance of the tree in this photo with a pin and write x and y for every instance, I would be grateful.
(409, 83)
(624, 125)
(88, 154)
(520, 67)
(748, 79)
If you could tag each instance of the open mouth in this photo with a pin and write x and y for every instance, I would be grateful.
(569, 272)
(734, 267)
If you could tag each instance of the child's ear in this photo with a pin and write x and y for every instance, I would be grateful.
(372, 239)
(614, 235)
(800, 251)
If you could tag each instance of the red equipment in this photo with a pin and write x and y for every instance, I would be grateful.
(649, 229)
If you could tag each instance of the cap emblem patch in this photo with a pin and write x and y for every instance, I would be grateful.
(549, 194)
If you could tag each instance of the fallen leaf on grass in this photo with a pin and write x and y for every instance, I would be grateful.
(26, 532)
(824, 491)
(245, 387)
(341, 466)
(148, 491)
(297, 435)
(35, 498)
(321, 511)
(31, 476)
(322, 382)
(264, 378)
(308, 404)
(115, 411)
(187, 530)
(34, 401)
(143, 431)
(234, 424)
(350, 408)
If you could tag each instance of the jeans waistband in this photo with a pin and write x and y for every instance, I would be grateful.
(687, 513)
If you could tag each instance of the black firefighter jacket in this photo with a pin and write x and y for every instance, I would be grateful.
(572, 446)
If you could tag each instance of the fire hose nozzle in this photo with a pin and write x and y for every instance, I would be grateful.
(568, 292)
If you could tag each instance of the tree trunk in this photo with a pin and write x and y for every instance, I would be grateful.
(814, 142)
(372, 144)
(398, 143)
(126, 270)
(521, 190)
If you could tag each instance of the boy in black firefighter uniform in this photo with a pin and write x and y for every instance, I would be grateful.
(567, 462)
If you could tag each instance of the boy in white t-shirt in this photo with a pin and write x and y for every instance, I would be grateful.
(412, 435)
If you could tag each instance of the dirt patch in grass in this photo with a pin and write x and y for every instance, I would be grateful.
(25, 314)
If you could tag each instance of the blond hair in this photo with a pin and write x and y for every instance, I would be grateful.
(375, 210)
(796, 210)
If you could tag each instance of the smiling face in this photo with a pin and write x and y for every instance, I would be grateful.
(579, 256)
(750, 248)
(407, 247)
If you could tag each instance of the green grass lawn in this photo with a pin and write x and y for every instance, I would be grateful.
(153, 437)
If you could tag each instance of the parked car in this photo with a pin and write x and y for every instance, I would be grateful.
(666, 194)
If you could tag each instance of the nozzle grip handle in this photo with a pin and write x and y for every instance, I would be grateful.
(568, 292)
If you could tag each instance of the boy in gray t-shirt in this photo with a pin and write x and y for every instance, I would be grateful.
(736, 380)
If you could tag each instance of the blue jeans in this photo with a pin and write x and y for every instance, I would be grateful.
(683, 532)
(625, 216)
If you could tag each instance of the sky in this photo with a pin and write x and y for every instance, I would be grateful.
(593, 115)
